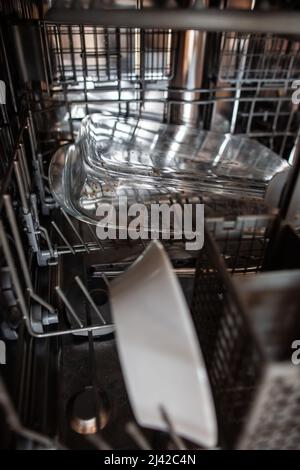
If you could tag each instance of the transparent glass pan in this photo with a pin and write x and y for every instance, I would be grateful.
(146, 162)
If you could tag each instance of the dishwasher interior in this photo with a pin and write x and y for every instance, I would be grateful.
(62, 384)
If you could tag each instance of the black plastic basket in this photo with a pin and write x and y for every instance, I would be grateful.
(247, 345)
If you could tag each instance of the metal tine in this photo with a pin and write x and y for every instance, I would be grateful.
(171, 430)
(63, 237)
(19, 292)
(89, 298)
(69, 306)
(21, 187)
(23, 159)
(138, 436)
(15, 231)
(34, 209)
(32, 129)
(98, 442)
(74, 229)
(13, 271)
(19, 161)
(41, 33)
(94, 236)
(41, 167)
(45, 234)
(31, 139)
(41, 301)
(104, 277)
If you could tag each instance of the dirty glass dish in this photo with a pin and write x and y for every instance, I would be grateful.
(147, 161)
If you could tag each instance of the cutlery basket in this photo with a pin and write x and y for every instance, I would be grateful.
(248, 327)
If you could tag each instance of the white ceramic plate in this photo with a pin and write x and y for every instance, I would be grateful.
(159, 351)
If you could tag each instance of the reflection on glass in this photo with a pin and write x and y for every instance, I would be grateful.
(147, 161)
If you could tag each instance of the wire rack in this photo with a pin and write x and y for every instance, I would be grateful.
(99, 55)
(249, 89)
(262, 67)
(258, 58)
(9, 121)
(61, 235)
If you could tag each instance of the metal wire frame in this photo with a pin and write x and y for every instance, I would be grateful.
(262, 66)
(266, 114)
(96, 54)
(25, 215)
(108, 54)
(247, 235)
(23, 282)
(254, 58)
(128, 71)
(23, 296)
(9, 111)
(26, 297)
(242, 240)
